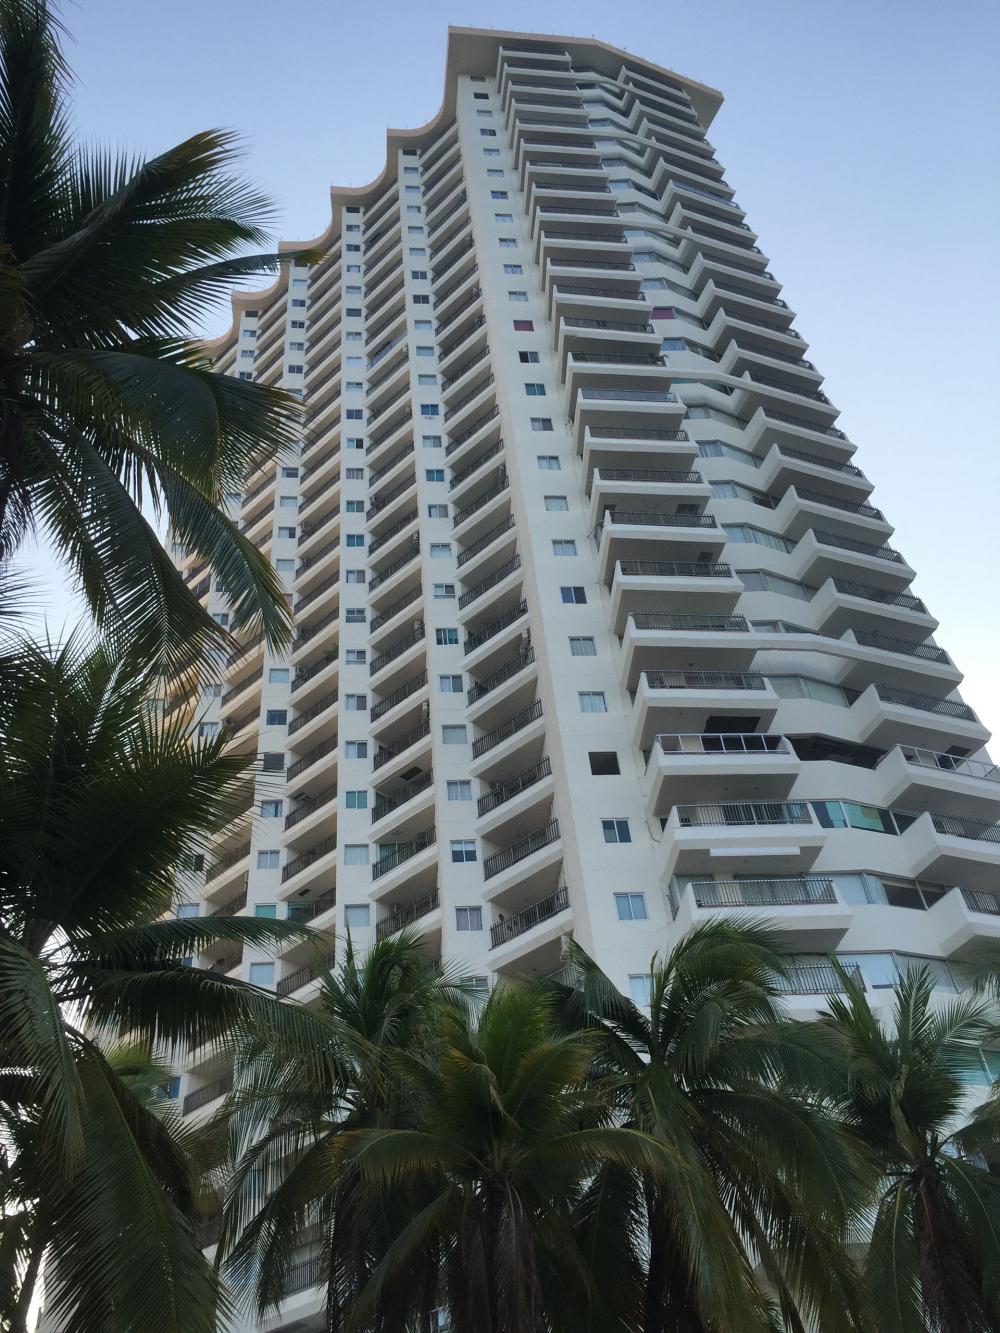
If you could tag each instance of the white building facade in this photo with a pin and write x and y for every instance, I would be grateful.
(598, 628)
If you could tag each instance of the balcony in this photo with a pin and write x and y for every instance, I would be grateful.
(817, 979)
(508, 728)
(310, 760)
(520, 850)
(505, 789)
(210, 1092)
(227, 863)
(307, 858)
(805, 910)
(388, 750)
(410, 687)
(302, 912)
(489, 629)
(646, 534)
(952, 849)
(310, 806)
(498, 575)
(694, 640)
(848, 604)
(510, 927)
(381, 660)
(402, 853)
(918, 778)
(310, 714)
(407, 914)
(295, 981)
(503, 673)
(741, 765)
(386, 802)
(689, 699)
(232, 905)
(652, 586)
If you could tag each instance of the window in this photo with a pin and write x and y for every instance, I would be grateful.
(262, 974)
(186, 910)
(421, 300)
(207, 730)
(499, 194)
(437, 511)
(422, 325)
(541, 423)
(524, 326)
(354, 576)
(631, 907)
(528, 358)
(267, 860)
(355, 442)
(287, 502)
(460, 790)
(213, 691)
(354, 539)
(289, 472)
(616, 830)
(434, 474)
(288, 534)
(582, 646)
(487, 134)
(222, 617)
(276, 717)
(356, 800)
(266, 911)
(573, 596)
(640, 987)
(450, 684)
(443, 591)
(535, 390)
(491, 152)
(453, 734)
(354, 615)
(557, 504)
(446, 638)
(429, 410)
(354, 386)
(354, 474)
(413, 208)
(480, 111)
(468, 918)
(604, 763)
(517, 296)
(356, 854)
(298, 323)
(513, 270)
(412, 230)
(299, 304)
(355, 507)
(564, 546)
(592, 701)
(440, 550)
(417, 251)
(355, 703)
(284, 565)
(494, 173)
(418, 274)
(508, 242)
(425, 351)
(355, 414)
(548, 463)
(463, 850)
(272, 763)
(505, 217)
(355, 656)
(355, 749)
(430, 441)
(357, 916)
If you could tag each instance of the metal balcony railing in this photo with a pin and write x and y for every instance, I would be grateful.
(405, 915)
(464, 369)
(381, 501)
(611, 325)
(242, 685)
(314, 907)
(861, 548)
(982, 900)
(600, 432)
(407, 599)
(305, 674)
(401, 524)
(498, 575)
(601, 293)
(656, 475)
(678, 620)
(457, 342)
(543, 910)
(377, 441)
(467, 398)
(299, 863)
(224, 863)
(722, 742)
(482, 500)
(310, 805)
(615, 359)
(524, 847)
(816, 426)
(836, 502)
(643, 518)
(474, 296)
(699, 569)
(295, 981)
(509, 727)
(314, 557)
(232, 905)
(507, 788)
(491, 451)
(743, 814)
(502, 673)
(408, 688)
(308, 632)
(960, 826)
(321, 705)
(385, 351)
(799, 891)
(456, 286)
(926, 703)
(375, 477)
(385, 805)
(378, 579)
(487, 539)
(228, 961)
(401, 853)
(492, 627)
(705, 680)
(949, 763)
(402, 742)
(817, 979)
(474, 429)
(887, 596)
(313, 757)
(202, 1096)
(891, 643)
(416, 635)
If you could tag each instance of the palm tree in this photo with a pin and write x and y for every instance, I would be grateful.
(100, 799)
(290, 1115)
(933, 1262)
(756, 1201)
(503, 1135)
(107, 407)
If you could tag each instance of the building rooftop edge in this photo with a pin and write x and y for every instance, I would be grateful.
(469, 51)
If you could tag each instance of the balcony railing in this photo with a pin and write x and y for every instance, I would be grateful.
(509, 727)
(378, 579)
(310, 805)
(309, 911)
(487, 539)
(407, 599)
(306, 673)
(322, 848)
(464, 368)
(612, 325)
(242, 685)
(405, 915)
(817, 979)
(386, 804)
(801, 891)
(409, 687)
(375, 477)
(524, 847)
(615, 359)
(228, 961)
(861, 548)
(722, 742)
(467, 398)
(507, 788)
(926, 703)
(949, 763)
(232, 905)
(643, 518)
(498, 575)
(893, 644)
(887, 596)
(543, 910)
(401, 853)
(416, 635)
(691, 621)
(835, 502)
(743, 814)
(457, 342)
(394, 529)
(628, 395)
(202, 1096)
(699, 569)
(656, 475)
(385, 752)
(481, 501)
(490, 452)
(295, 981)
(960, 826)
(493, 627)
(705, 680)
(502, 673)
(474, 429)
(982, 900)
(225, 862)
(816, 426)
(601, 293)
(297, 723)
(599, 432)
(446, 296)
(474, 296)
(313, 757)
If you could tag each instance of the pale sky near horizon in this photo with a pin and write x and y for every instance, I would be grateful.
(862, 137)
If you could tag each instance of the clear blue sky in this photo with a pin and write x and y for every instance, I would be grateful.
(861, 136)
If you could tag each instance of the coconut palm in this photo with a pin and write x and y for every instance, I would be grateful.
(933, 1262)
(112, 417)
(100, 800)
(754, 1206)
(292, 1111)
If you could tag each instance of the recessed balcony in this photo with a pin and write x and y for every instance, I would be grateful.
(315, 769)
(528, 941)
(738, 835)
(514, 743)
(697, 700)
(303, 868)
(401, 750)
(314, 814)
(649, 586)
(402, 805)
(739, 765)
(656, 641)
(646, 534)
(422, 915)
(408, 867)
